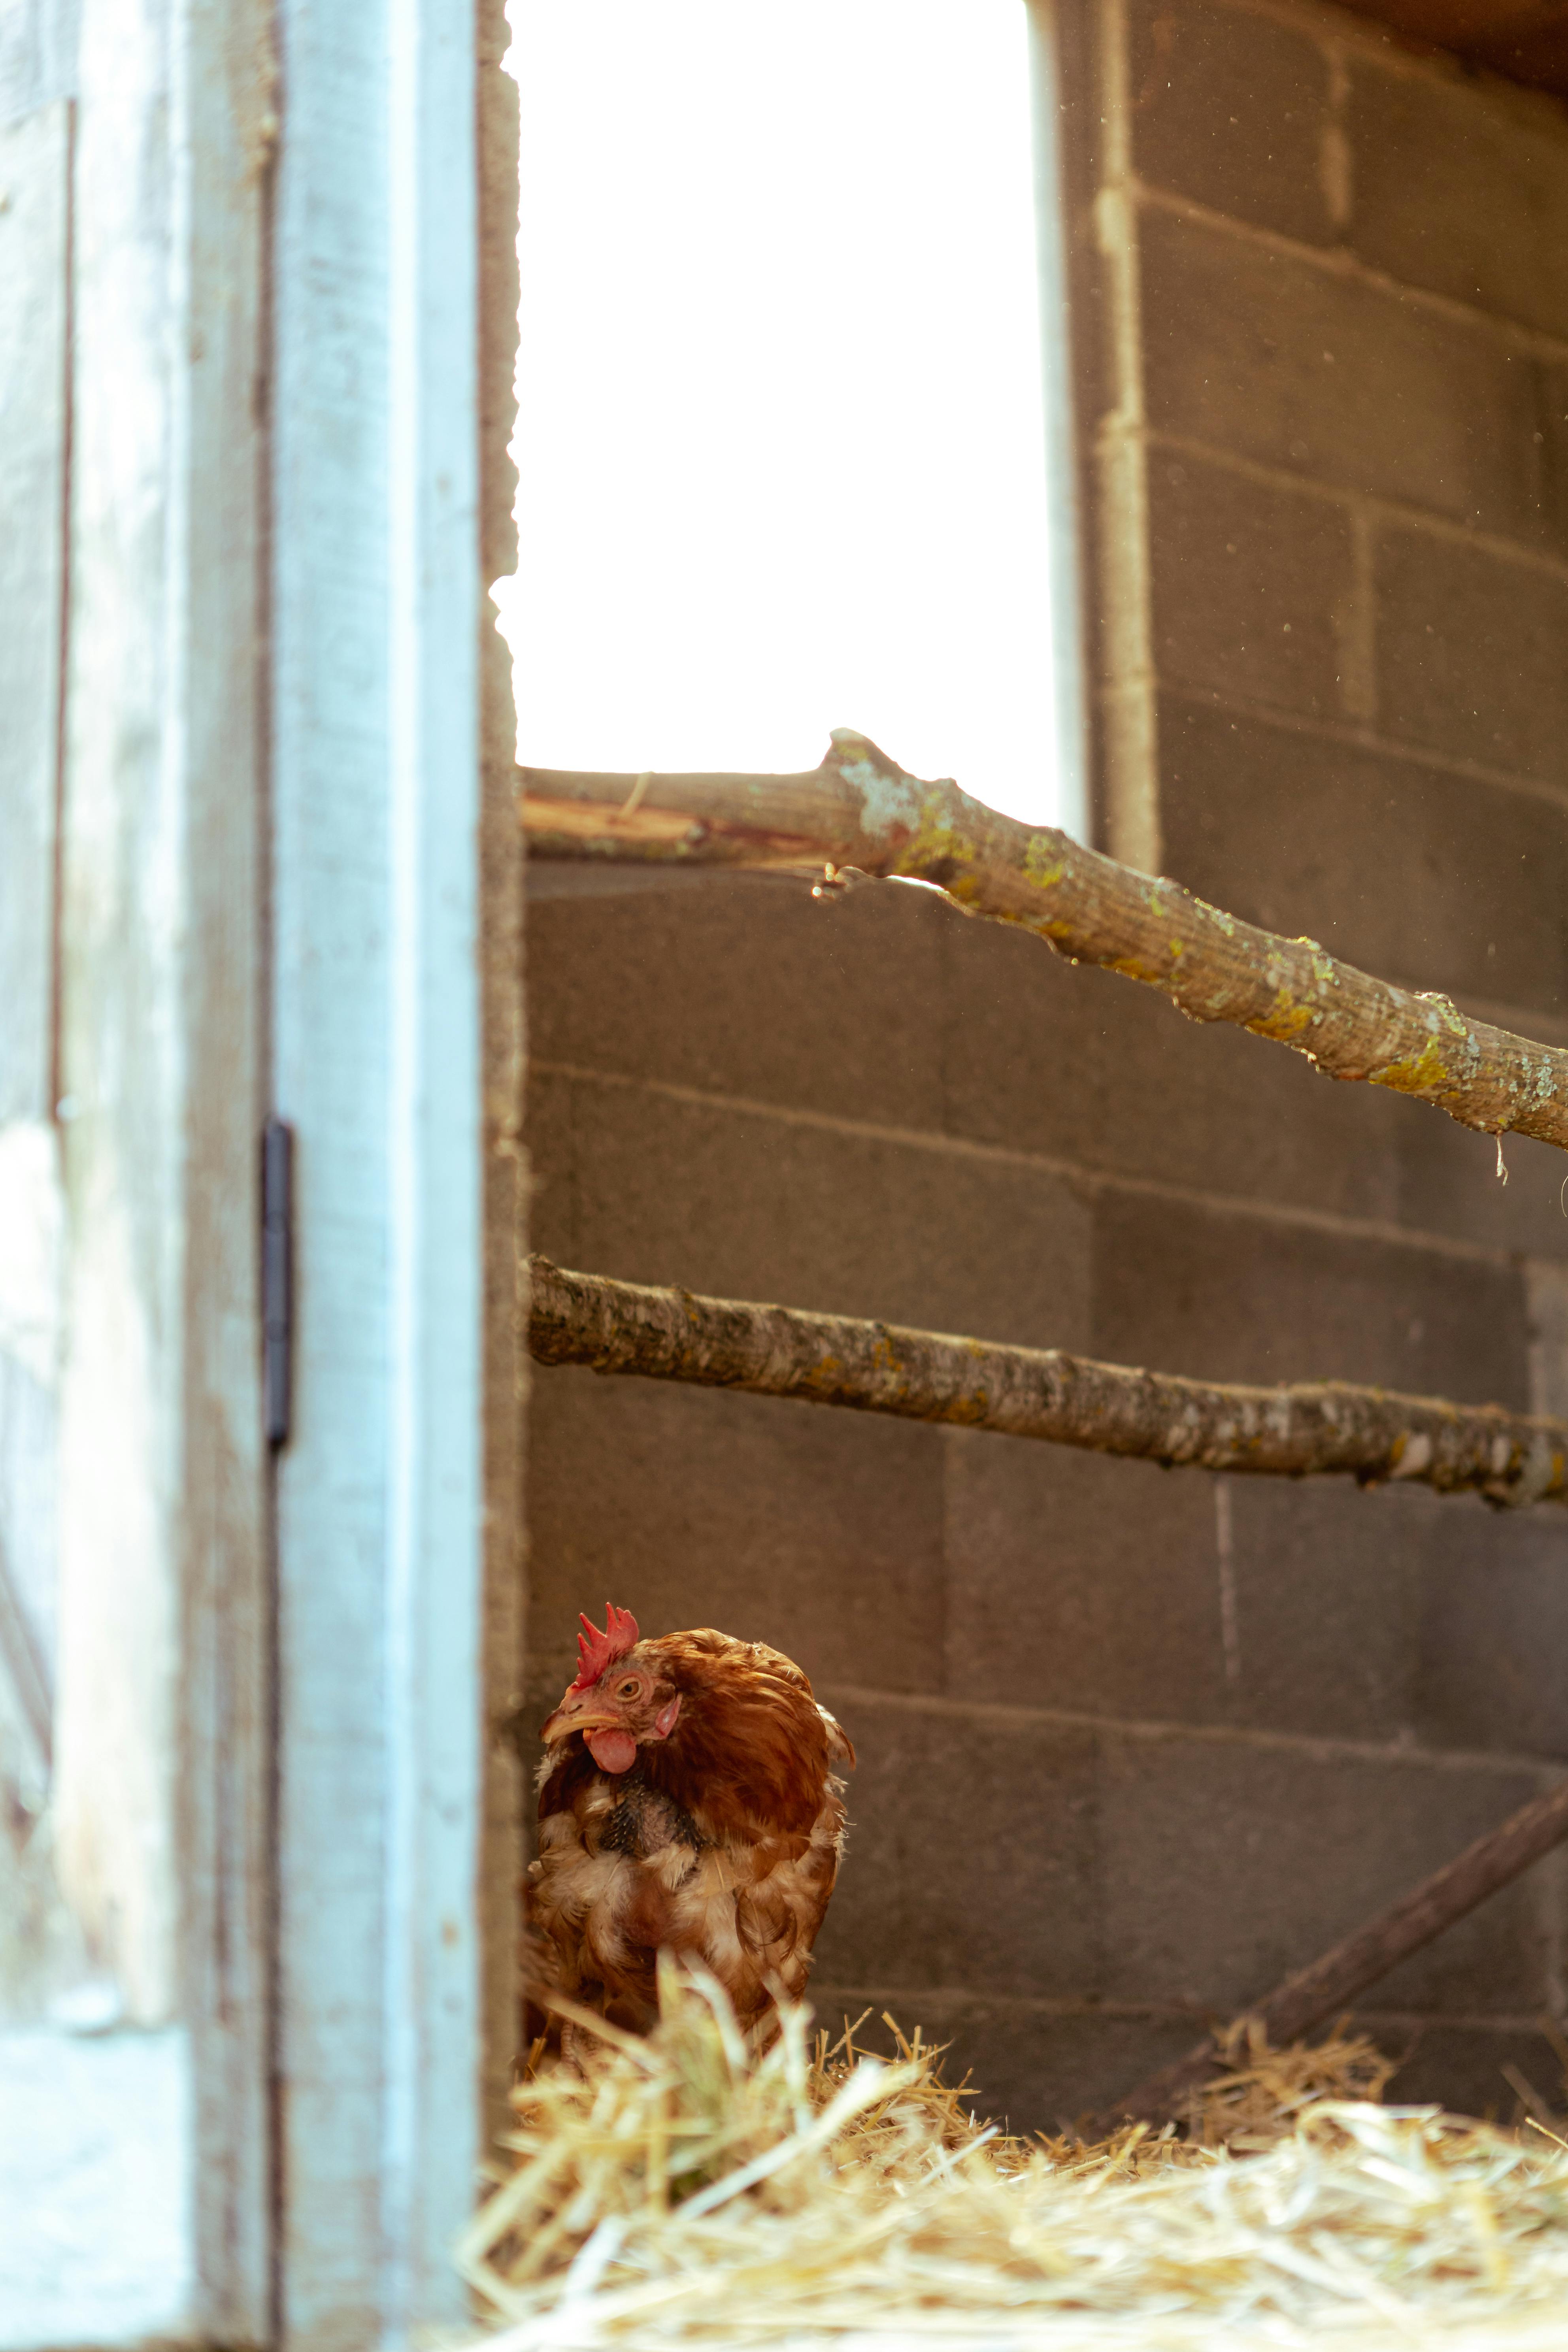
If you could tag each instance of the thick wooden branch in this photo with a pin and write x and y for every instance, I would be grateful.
(1366, 1433)
(860, 811)
(1326, 1987)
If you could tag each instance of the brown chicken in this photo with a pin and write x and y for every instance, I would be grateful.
(686, 1804)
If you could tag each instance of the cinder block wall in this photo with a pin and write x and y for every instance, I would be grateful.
(1133, 1743)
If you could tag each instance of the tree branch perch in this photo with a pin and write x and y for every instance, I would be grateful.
(1322, 1428)
(860, 810)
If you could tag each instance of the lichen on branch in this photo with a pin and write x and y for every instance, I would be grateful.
(860, 811)
(1042, 1392)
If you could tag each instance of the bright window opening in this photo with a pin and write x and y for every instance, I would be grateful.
(783, 428)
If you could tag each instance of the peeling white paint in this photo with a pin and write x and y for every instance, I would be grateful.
(32, 1222)
(94, 2159)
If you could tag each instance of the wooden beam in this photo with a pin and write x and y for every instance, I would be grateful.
(508, 1788)
(162, 1802)
(1327, 1427)
(860, 811)
(1325, 1988)
(379, 1033)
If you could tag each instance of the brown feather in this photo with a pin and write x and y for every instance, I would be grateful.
(721, 1843)
(749, 1756)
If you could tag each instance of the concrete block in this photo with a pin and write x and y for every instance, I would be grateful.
(745, 984)
(1506, 1956)
(754, 1207)
(1462, 187)
(972, 1854)
(1026, 1039)
(1327, 1582)
(1449, 1181)
(1077, 1582)
(1254, 588)
(1460, 2067)
(1220, 1297)
(1409, 871)
(1226, 1866)
(1546, 1303)
(818, 1531)
(552, 1219)
(1106, 1073)
(1268, 355)
(1493, 1626)
(1231, 108)
(1470, 654)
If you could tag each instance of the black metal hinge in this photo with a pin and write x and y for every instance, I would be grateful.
(277, 1275)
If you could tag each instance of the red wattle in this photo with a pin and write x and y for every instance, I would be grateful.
(612, 1751)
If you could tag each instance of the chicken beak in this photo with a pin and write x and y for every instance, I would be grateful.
(567, 1719)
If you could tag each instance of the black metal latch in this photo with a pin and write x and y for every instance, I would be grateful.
(277, 1275)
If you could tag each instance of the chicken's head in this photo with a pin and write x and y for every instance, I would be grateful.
(621, 1699)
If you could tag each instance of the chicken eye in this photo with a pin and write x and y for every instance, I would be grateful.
(629, 1689)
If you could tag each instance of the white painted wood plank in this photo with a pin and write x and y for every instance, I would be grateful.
(162, 1721)
(376, 1029)
(38, 1948)
(37, 54)
(435, 1692)
(504, 1077)
(223, 102)
(94, 2159)
(34, 212)
(119, 1674)
(329, 893)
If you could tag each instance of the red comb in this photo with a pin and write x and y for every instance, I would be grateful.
(595, 1650)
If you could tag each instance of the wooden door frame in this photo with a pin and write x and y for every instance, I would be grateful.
(287, 825)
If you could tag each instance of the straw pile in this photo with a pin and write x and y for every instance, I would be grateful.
(692, 2189)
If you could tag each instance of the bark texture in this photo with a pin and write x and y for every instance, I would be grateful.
(860, 811)
(1324, 1988)
(1366, 1433)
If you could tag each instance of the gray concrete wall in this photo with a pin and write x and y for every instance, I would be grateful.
(1134, 1743)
